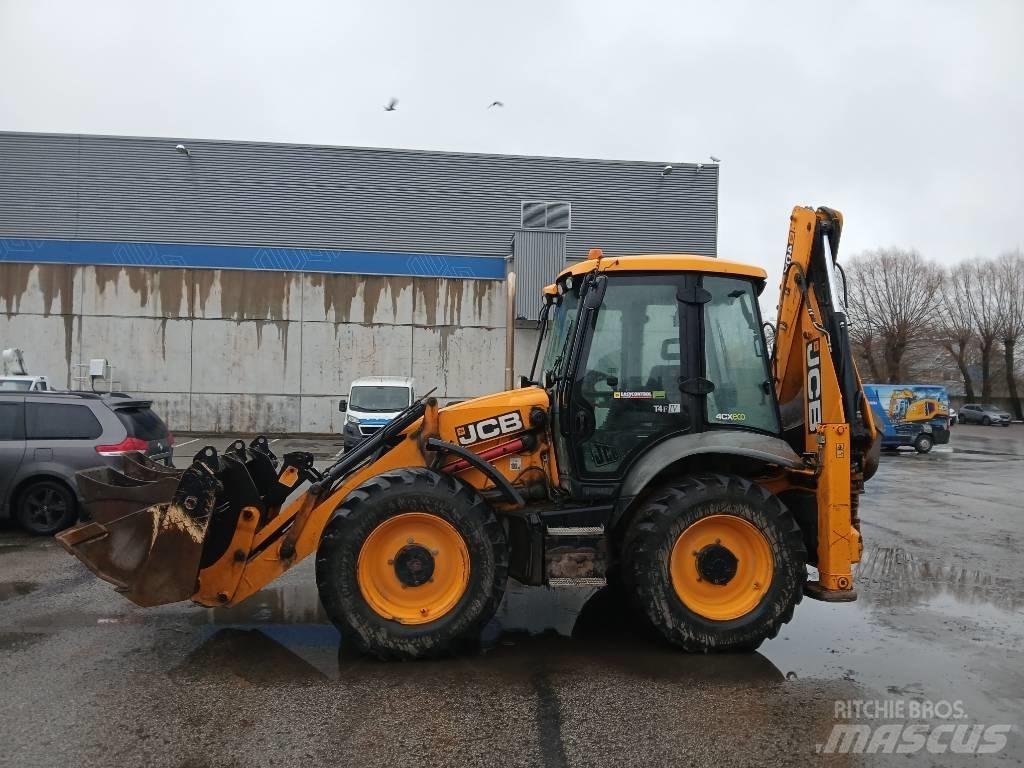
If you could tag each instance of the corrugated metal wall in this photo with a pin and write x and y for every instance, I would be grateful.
(537, 257)
(283, 195)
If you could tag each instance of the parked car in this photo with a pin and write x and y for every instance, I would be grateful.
(46, 437)
(372, 402)
(973, 413)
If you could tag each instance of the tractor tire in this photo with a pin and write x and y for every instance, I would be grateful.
(45, 507)
(923, 443)
(697, 591)
(411, 565)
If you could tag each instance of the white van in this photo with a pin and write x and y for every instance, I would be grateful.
(372, 402)
(25, 384)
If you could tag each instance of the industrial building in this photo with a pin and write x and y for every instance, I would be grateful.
(243, 285)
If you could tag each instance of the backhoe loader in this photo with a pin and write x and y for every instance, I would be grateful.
(659, 444)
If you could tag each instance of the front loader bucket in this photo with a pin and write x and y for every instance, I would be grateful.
(150, 529)
(151, 555)
(108, 495)
(141, 467)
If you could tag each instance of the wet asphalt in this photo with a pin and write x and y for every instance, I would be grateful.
(562, 677)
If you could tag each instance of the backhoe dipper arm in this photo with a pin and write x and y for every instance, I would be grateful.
(825, 414)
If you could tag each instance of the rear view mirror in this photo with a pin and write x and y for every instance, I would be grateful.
(343, 405)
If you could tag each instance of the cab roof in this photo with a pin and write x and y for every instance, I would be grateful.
(663, 262)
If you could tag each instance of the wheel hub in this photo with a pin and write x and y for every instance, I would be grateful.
(721, 567)
(414, 565)
(413, 568)
(717, 564)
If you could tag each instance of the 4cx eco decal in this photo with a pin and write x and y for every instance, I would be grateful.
(485, 429)
(734, 416)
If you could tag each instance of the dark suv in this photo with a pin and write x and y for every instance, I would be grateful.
(46, 437)
(983, 414)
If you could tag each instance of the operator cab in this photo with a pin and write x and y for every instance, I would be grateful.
(641, 349)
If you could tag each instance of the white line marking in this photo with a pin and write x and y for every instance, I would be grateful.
(187, 442)
(275, 439)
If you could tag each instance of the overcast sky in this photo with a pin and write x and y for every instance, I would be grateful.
(907, 116)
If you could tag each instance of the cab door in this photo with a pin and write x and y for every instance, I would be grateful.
(629, 383)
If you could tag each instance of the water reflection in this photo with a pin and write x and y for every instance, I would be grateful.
(282, 635)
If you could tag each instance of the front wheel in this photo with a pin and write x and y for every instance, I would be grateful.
(46, 507)
(986, 421)
(716, 563)
(923, 443)
(411, 565)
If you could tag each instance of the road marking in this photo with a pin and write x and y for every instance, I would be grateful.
(275, 439)
(187, 442)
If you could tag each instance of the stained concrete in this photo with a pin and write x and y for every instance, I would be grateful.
(559, 677)
(194, 339)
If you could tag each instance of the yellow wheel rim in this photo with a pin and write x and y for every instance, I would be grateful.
(721, 567)
(413, 568)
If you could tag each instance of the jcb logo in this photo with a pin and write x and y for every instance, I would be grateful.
(485, 429)
(813, 385)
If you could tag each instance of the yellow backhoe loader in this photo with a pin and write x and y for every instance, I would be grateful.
(662, 445)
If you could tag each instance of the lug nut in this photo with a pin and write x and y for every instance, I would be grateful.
(409, 540)
(434, 552)
(391, 562)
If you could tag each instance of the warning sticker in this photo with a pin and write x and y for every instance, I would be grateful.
(634, 395)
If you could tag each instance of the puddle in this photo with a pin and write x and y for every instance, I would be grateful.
(920, 630)
(9, 589)
(19, 641)
(282, 635)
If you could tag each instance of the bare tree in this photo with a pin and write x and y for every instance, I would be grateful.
(955, 324)
(982, 296)
(893, 296)
(1010, 267)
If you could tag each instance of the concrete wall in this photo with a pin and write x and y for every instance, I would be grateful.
(248, 351)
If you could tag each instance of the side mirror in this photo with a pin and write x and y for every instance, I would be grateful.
(524, 382)
(343, 405)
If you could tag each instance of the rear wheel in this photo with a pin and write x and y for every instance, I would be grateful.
(411, 565)
(715, 563)
(45, 507)
(923, 443)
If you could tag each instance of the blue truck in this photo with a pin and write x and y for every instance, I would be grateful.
(911, 415)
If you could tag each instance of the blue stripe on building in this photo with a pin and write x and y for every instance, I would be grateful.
(249, 257)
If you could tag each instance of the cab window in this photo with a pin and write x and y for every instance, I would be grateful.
(736, 360)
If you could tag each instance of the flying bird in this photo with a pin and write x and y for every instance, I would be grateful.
(714, 159)
(392, 105)
(496, 104)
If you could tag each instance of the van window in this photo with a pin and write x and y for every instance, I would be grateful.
(142, 423)
(59, 421)
(379, 398)
(10, 421)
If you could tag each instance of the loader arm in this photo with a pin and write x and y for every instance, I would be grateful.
(824, 411)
